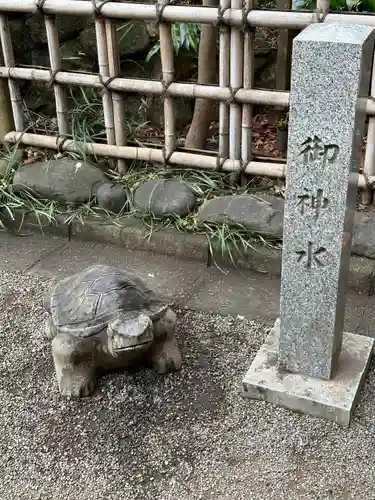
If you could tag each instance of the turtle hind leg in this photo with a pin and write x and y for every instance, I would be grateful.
(165, 355)
(47, 301)
(50, 329)
(74, 360)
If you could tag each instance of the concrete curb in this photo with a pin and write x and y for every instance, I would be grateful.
(129, 233)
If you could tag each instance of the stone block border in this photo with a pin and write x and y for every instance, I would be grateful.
(129, 233)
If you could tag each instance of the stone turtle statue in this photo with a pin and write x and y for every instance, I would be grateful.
(105, 319)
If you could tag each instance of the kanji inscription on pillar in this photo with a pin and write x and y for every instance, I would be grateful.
(315, 202)
(313, 149)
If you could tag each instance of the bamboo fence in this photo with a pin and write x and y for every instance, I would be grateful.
(237, 20)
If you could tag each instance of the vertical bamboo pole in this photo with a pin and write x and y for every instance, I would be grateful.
(248, 77)
(55, 60)
(167, 67)
(236, 77)
(283, 52)
(283, 60)
(101, 41)
(369, 166)
(323, 5)
(6, 114)
(118, 99)
(14, 90)
(224, 81)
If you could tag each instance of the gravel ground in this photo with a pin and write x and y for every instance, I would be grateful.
(184, 436)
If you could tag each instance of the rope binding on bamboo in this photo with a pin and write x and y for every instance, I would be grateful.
(219, 163)
(320, 16)
(61, 139)
(232, 98)
(52, 79)
(245, 25)
(40, 6)
(220, 22)
(159, 7)
(369, 185)
(106, 81)
(166, 86)
(166, 158)
(97, 7)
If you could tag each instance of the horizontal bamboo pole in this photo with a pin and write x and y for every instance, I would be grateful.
(151, 155)
(154, 155)
(188, 13)
(191, 90)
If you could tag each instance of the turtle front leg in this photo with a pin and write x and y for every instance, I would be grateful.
(74, 360)
(50, 329)
(165, 355)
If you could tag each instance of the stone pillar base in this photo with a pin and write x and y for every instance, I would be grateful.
(333, 399)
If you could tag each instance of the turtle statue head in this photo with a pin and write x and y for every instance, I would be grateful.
(134, 333)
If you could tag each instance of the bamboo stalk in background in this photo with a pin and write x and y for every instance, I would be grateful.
(224, 80)
(153, 155)
(55, 60)
(118, 99)
(14, 90)
(207, 74)
(167, 67)
(101, 42)
(236, 75)
(248, 80)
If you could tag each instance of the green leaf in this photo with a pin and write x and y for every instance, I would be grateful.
(154, 50)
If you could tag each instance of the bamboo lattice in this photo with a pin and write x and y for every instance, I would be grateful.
(237, 20)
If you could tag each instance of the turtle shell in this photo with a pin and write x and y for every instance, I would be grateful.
(84, 303)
